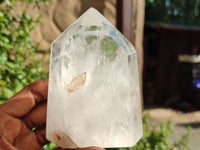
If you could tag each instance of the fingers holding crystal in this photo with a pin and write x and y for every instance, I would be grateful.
(37, 116)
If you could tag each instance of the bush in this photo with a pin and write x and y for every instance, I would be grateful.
(17, 63)
(156, 136)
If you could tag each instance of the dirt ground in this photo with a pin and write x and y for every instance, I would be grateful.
(182, 121)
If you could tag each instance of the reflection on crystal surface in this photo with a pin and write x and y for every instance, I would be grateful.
(93, 97)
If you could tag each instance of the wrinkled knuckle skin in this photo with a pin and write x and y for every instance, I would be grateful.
(28, 122)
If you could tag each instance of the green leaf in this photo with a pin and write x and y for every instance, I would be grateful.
(10, 64)
(52, 145)
(8, 93)
(2, 83)
(1, 102)
(18, 87)
(2, 17)
(4, 58)
(8, 3)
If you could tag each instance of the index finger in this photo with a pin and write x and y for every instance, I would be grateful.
(21, 103)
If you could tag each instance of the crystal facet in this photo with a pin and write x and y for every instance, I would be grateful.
(93, 97)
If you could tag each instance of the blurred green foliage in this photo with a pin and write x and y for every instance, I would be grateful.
(173, 11)
(49, 146)
(18, 66)
(156, 136)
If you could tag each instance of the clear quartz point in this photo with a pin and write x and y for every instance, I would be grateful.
(93, 95)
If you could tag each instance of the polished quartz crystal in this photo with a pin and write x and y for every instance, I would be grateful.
(93, 95)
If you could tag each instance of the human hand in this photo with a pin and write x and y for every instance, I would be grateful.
(22, 112)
